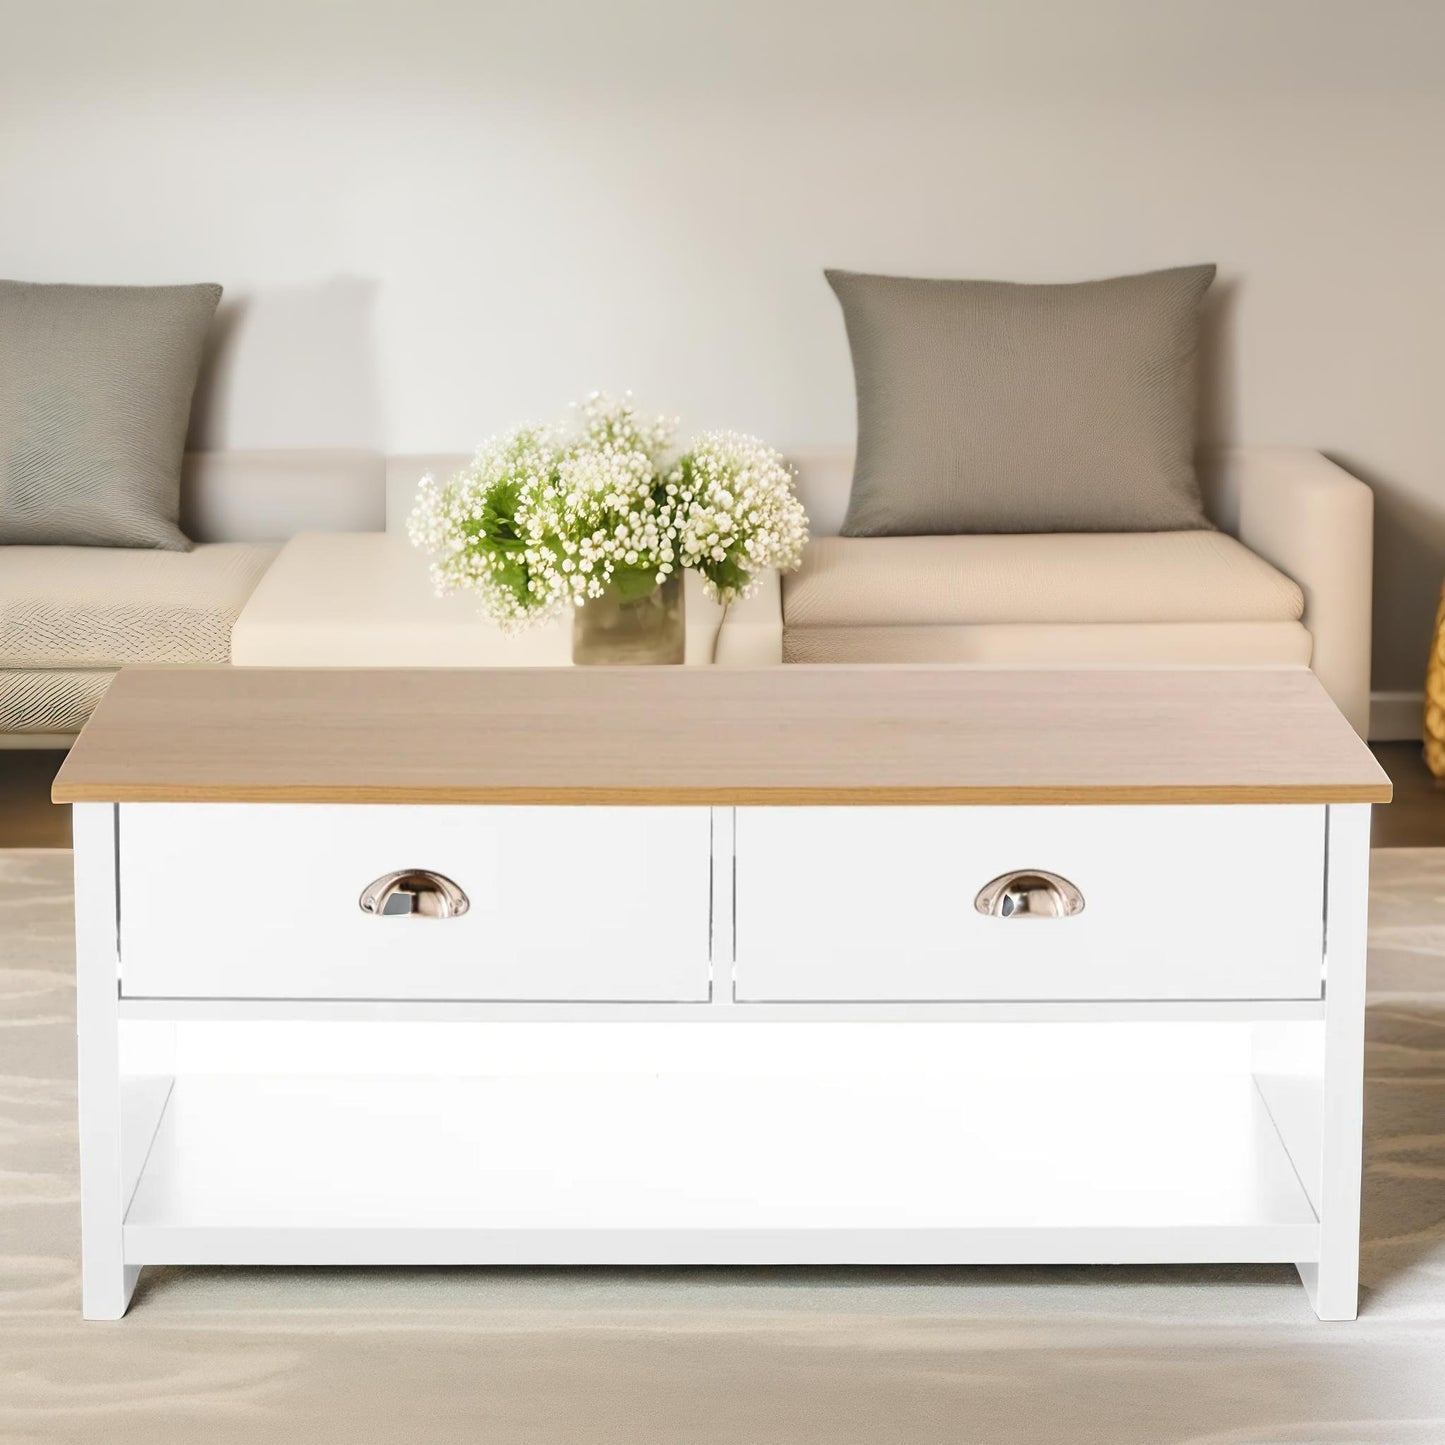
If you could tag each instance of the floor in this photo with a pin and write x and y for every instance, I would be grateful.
(1416, 816)
(28, 819)
(1091, 1356)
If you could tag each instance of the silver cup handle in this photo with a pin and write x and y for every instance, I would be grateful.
(1029, 893)
(414, 893)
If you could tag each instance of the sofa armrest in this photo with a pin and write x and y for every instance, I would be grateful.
(1315, 522)
(752, 631)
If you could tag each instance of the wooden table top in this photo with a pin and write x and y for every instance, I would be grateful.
(721, 736)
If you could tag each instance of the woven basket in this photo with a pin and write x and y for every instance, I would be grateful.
(1435, 697)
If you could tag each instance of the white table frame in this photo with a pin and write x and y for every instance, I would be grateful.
(1308, 1069)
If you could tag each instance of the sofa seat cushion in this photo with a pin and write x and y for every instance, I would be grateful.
(49, 700)
(1059, 644)
(1042, 578)
(79, 607)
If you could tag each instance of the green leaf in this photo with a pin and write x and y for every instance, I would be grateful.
(634, 582)
(727, 574)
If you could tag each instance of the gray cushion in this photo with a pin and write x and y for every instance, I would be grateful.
(988, 406)
(95, 399)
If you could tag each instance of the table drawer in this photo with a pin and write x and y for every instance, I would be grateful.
(1194, 902)
(263, 901)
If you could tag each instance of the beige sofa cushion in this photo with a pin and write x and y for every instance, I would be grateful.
(49, 700)
(1059, 644)
(78, 607)
(1042, 578)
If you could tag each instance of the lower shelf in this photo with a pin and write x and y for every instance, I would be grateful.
(718, 1169)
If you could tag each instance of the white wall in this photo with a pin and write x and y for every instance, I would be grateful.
(436, 219)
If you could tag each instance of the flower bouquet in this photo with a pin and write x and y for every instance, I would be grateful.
(604, 520)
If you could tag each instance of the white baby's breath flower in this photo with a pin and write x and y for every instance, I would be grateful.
(538, 521)
(740, 515)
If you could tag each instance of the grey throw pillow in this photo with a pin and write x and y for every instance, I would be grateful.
(989, 406)
(95, 398)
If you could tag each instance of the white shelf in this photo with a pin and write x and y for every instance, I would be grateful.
(692, 1169)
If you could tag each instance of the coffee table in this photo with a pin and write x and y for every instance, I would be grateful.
(1137, 900)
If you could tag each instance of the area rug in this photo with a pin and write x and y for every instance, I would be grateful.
(1158, 1356)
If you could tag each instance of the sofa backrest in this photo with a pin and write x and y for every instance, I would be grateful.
(404, 474)
(825, 477)
(268, 496)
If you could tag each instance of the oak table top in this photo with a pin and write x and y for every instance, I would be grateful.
(718, 736)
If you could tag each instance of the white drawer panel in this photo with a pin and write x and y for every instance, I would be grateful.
(1193, 902)
(262, 901)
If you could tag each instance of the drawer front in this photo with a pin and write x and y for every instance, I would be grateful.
(1178, 903)
(262, 901)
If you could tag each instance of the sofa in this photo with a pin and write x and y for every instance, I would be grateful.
(1284, 582)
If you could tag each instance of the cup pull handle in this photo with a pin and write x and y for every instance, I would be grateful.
(414, 893)
(1029, 893)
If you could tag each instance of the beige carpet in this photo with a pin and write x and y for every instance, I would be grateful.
(962, 1356)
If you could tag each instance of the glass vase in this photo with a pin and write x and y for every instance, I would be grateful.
(615, 631)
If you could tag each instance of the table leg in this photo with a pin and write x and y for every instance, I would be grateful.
(106, 1281)
(1333, 1283)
